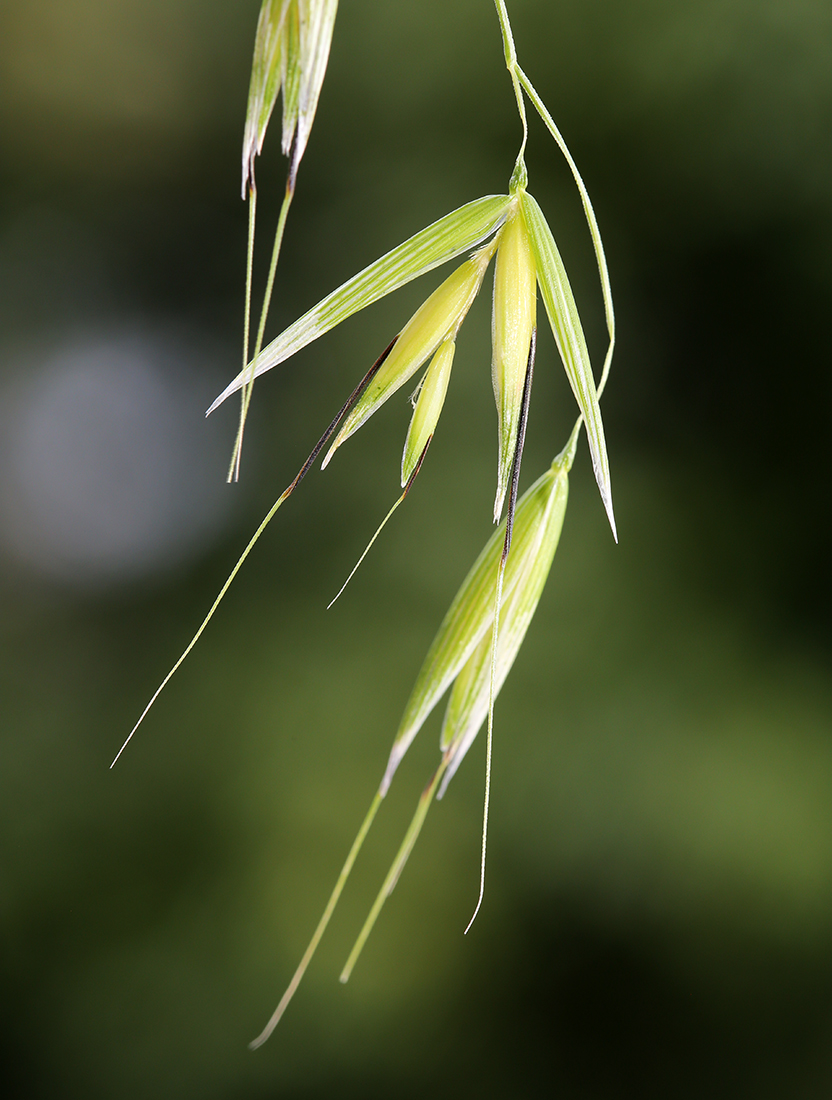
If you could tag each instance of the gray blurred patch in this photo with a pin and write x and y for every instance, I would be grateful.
(108, 469)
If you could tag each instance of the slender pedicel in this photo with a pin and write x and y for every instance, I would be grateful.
(248, 386)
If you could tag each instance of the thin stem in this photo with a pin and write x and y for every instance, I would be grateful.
(522, 84)
(519, 177)
(396, 869)
(322, 923)
(589, 212)
(248, 385)
(567, 455)
(269, 516)
(252, 217)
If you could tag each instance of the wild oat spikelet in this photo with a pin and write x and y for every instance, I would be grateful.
(291, 52)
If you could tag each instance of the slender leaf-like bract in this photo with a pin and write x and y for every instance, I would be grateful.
(317, 19)
(291, 52)
(291, 79)
(268, 74)
(427, 408)
(569, 337)
(449, 237)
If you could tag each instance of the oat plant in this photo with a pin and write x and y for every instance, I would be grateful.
(481, 634)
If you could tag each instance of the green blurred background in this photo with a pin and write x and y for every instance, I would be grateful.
(658, 918)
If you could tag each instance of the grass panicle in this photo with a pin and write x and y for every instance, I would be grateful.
(480, 636)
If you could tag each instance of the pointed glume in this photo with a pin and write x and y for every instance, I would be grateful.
(521, 442)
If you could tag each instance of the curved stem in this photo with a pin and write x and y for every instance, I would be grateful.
(589, 212)
(522, 84)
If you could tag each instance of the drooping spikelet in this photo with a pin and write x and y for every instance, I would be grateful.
(291, 52)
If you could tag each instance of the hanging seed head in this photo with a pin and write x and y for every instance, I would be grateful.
(291, 51)
(437, 320)
(466, 629)
(513, 322)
